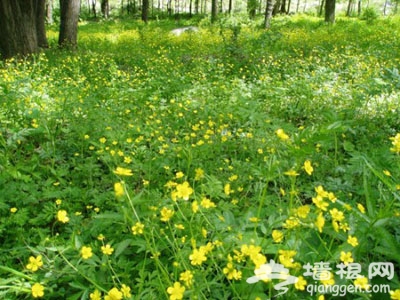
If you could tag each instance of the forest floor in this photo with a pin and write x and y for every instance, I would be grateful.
(146, 165)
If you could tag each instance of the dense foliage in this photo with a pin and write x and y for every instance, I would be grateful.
(150, 165)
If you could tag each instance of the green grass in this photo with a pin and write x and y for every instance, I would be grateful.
(214, 132)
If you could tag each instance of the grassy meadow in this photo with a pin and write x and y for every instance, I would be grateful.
(151, 166)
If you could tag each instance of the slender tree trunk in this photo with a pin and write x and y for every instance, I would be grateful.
(321, 8)
(105, 8)
(69, 17)
(214, 10)
(40, 11)
(196, 7)
(282, 10)
(385, 7)
(350, 6)
(359, 8)
(145, 11)
(268, 13)
(49, 12)
(230, 6)
(276, 8)
(18, 22)
(330, 6)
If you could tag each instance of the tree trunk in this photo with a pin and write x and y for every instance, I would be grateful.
(18, 27)
(40, 12)
(214, 10)
(230, 6)
(321, 8)
(69, 17)
(49, 12)
(268, 13)
(350, 7)
(282, 10)
(330, 6)
(276, 7)
(105, 8)
(145, 11)
(196, 6)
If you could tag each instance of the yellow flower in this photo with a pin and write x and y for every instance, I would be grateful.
(166, 214)
(179, 174)
(176, 291)
(96, 295)
(277, 236)
(387, 173)
(103, 140)
(320, 203)
(395, 295)
(227, 189)
(119, 189)
(291, 173)
(282, 135)
(107, 249)
(137, 228)
(122, 171)
(62, 216)
(330, 280)
(207, 203)
(126, 291)
(321, 192)
(195, 206)
(13, 210)
(352, 240)
(113, 294)
(34, 263)
(86, 252)
(336, 214)
(320, 222)
(300, 284)
(286, 258)
(308, 167)
(37, 290)
(395, 143)
(361, 208)
(291, 223)
(198, 257)
(183, 191)
(231, 272)
(362, 282)
(303, 211)
(199, 174)
(186, 277)
(346, 257)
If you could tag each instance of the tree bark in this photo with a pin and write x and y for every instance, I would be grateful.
(330, 6)
(19, 23)
(268, 13)
(40, 12)
(69, 10)
(145, 11)
(105, 8)
(214, 10)
(49, 12)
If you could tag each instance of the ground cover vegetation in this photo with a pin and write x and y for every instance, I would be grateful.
(146, 165)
